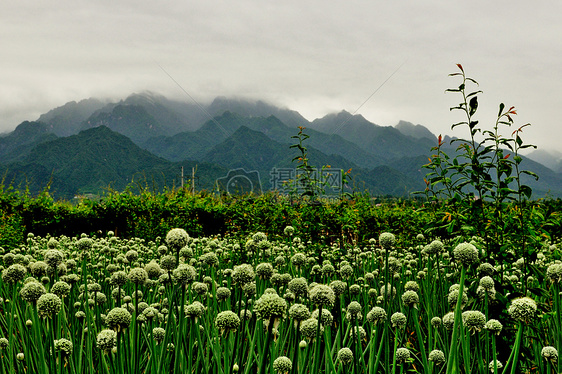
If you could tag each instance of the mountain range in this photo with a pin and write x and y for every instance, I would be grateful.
(146, 139)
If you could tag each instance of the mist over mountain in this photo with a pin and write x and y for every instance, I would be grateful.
(550, 159)
(415, 131)
(248, 108)
(67, 120)
(86, 146)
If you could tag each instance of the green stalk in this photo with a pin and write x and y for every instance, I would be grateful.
(11, 338)
(303, 365)
(453, 358)
(421, 340)
(378, 356)
(515, 351)
(318, 342)
(355, 345)
(494, 355)
(266, 348)
(242, 329)
(229, 364)
(394, 351)
(51, 326)
(296, 348)
(136, 332)
(372, 350)
(251, 354)
(465, 343)
(179, 333)
(558, 323)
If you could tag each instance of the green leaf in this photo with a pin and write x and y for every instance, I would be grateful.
(456, 107)
(526, 190)
(473, 105)
(530, 173)
(458, 124)
(502, 106)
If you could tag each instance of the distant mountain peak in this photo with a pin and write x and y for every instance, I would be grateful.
(27, 127)
(415, 131)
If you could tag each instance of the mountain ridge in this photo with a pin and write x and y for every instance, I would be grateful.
(391, 153)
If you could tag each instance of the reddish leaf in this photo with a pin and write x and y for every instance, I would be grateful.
(460, 67)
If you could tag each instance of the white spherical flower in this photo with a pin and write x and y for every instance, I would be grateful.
(48, 305)
(387, 240)
(473, 320)
(466, 254)
(550, 353)
(270, 306)
(376, 315)
(227, 321)
(398, 319)
(282, 364)
(345, 355)
(309, 328)
(177, 239)
(106, 340)
(437, 357)
(494, 326)
(554, 273)
(434, 247)
(322, 295)
(402, 355)
(410, 299)
(523, 309)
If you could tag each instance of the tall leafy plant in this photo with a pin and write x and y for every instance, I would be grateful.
(480, 184)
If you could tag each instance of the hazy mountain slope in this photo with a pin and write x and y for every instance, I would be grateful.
(67, 119)
(382, 141)
(93, 159)
(254, 151)
(133, 121)
(173, 116)
(192, 145)
(415, 131)
(248, 149)
(19, 142)
(250, 108)
(550, 159)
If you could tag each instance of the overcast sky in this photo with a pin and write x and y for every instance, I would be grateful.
(315, 57)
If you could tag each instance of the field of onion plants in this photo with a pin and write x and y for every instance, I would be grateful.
(275, 305)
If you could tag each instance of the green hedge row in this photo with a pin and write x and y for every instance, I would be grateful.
(149, 215)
